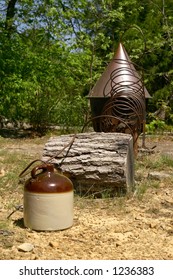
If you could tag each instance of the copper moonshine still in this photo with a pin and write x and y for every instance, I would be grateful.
(118, 99)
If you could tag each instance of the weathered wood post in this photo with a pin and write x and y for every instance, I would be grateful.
(98, 163)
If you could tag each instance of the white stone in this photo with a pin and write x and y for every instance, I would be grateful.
(25, 247)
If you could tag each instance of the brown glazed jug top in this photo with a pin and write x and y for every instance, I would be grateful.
(47, 181)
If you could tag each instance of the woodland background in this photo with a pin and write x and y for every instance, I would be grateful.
(53, 51)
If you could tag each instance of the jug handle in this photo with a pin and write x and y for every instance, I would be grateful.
(23, 173)
(43, 167)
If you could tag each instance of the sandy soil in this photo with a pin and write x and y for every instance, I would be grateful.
(117, 228)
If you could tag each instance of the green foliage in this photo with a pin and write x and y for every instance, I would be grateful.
(155, 126)
(52, 53)
(161, 119)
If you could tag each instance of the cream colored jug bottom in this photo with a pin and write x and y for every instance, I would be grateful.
(48, 211)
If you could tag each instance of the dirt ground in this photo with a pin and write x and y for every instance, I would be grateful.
(110, 228)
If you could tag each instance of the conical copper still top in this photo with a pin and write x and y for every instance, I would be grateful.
(120, 73)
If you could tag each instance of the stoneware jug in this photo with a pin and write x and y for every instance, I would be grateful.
(48, 200)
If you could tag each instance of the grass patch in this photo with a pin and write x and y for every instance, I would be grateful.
(13, 160)
(145, 165)
(166, 161)
(4, 225)
(154, 162)
(11, 164)
(144, 185)
(163, 162)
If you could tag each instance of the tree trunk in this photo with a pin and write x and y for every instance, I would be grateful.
(10, 16)
(97, 163)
